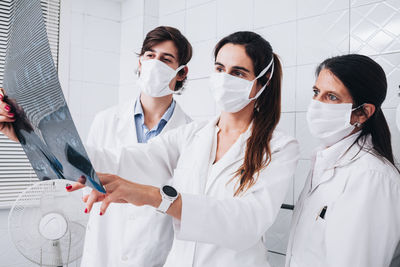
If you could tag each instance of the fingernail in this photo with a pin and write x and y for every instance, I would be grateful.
(7, 108)
(1, 97)
(68, 187)
(11, 114)
(86, 210)
(101, 213)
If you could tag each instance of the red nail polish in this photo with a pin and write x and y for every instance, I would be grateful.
(101, 213)
(1, 97)
(86, 210)
(11, 114)
(68, 187)
(7, 108)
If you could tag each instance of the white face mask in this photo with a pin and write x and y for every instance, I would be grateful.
(330, 123)
(398, 117)
(155, 77)
(232, 93)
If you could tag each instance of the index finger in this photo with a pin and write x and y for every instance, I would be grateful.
(74, 187)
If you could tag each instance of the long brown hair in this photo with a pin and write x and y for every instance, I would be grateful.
(267, 110)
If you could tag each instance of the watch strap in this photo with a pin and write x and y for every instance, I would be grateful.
(165, 203)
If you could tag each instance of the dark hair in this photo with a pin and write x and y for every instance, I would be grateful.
(366, 82)
(267, 110)
(165, 33)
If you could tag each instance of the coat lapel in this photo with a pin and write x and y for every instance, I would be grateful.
(202, 149)
(348, 154)
(178, 118)
(232, 156)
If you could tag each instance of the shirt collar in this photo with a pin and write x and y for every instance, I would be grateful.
(138, 107)
(332, 155)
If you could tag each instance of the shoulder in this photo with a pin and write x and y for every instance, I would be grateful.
(115, 112)
(181, 115)
(192, 128)
(374, 174)
(281, 140)
(106, 114)
(187, 133)
(377, 166)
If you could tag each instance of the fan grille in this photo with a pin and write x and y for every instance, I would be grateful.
(35, 202)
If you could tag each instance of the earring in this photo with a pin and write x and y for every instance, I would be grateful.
(357, 124)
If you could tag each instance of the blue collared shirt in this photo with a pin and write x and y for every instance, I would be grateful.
(142, 132)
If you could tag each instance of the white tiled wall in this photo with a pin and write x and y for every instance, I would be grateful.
(94, 61)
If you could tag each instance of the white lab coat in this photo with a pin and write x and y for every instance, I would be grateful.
(126, 235)
(216, 229)
(361, 226)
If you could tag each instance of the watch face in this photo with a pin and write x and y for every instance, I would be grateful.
(170, 191)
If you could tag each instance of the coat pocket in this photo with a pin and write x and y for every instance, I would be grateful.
(316, 245)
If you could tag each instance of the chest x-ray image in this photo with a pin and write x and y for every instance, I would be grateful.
(43, 125)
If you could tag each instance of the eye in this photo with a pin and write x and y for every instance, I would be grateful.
(332, 97)
(316, 92)
(149, 55)
(238, 74)
(219, 69)
(167, 60)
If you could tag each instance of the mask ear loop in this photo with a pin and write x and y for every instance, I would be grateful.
(179, 91)
(137, 72)
(272, 63)
(357, 124)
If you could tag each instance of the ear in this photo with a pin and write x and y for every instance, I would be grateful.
(259, 86)
(181, 77)
(365, 112)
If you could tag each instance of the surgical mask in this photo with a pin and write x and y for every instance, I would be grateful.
(330, 123)
(155, 77)
(232, 93)
(398, 117)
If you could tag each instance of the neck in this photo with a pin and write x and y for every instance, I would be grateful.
(154, 107)
(236, 122)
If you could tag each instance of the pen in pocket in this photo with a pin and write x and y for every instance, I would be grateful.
(322, 213)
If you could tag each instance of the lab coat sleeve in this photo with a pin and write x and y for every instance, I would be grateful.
(363, 227)
(152, 163)
(239, 223)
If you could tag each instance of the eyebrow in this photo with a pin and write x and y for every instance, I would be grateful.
(164, 54)
(234, 67)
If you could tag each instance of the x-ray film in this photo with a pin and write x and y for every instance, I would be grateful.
(43, 123)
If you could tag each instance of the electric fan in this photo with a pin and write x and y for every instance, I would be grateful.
(47, 224)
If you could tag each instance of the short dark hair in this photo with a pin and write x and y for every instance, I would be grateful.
(166, 33)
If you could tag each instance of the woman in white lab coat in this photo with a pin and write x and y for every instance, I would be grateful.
(396, 257)
(348, 213)
(231, 174)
